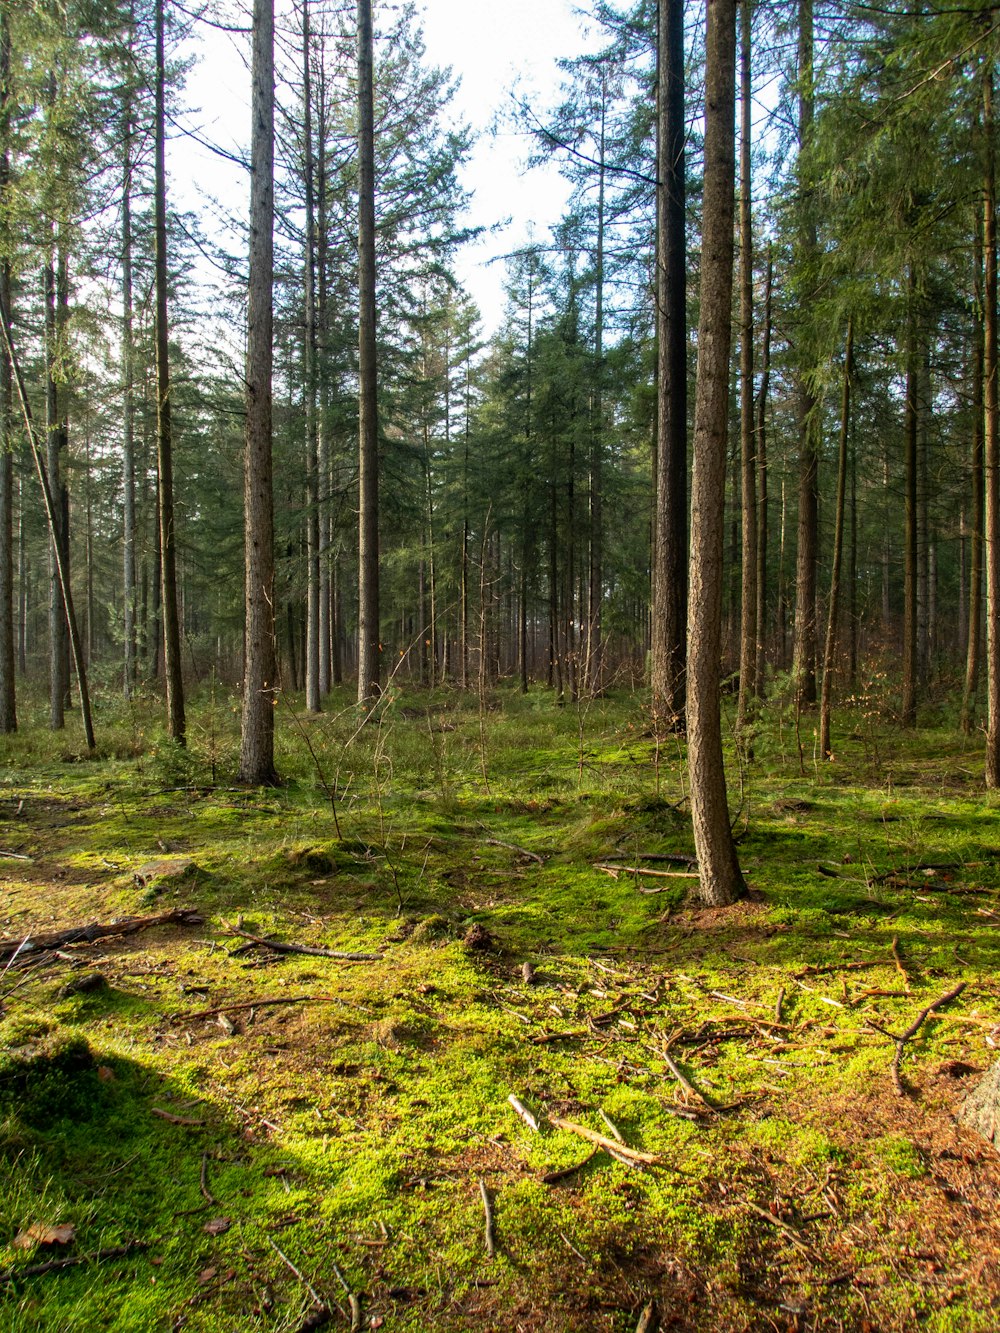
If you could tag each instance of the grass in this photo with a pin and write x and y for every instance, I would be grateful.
(354, 1129)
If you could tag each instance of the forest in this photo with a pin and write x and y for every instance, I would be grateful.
(499, 826)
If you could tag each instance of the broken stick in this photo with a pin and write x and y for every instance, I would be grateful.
(279, 946)
(491, 1240)
(95, 931)
(602, 1141)
(901, 1038)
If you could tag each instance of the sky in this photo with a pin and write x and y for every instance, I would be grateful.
(491, 46)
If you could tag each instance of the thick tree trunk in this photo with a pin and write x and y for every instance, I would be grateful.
(749, 609)
(260, 670)
(329, 645)
(838, 547)
(670, 588)
(721, 880)
(172, 671)
(368, 505)
(595, 581)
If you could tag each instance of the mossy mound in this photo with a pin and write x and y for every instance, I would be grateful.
(51, 1075)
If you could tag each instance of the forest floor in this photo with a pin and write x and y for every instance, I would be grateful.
(233, 1138)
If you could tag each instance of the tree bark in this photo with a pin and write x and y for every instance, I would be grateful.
(760, 448)
(838, 548)
(807, 548)
(8, 695)
(974, 599)
(749, 609)
(368, 504)
(313, 698)
(670, 585)
(721, 881)
(172, 673)
(908, 707)
(128, 390)
(991, 433)
(260, 668)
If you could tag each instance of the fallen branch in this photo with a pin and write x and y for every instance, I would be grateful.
(491, 1240)
(602, 1141)
(88, 934)
(51, 1265)
(554, 1177)
(817, 969)
(513, 847)
(176, 1119)
(524, 1113)
(203, 1181)
(258, 1004)
(279, 946)
(899, 963)
(319, 1304)
(902, 1038)
(641, 870)
(685, 1083)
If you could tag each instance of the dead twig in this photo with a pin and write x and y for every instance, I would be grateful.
(777, 1006)
(51, 1265)
(175, 1119)
(490, 1235)
(554, 1177)
(258, 1004)
(524, 1113)
(685, 1083)
(602, 1141)
(513, 847)
(317, 1301)
(279, 946)
(899, 963)
(205, 1191)
(641, 870)
(649, 1320)
(901, 1038)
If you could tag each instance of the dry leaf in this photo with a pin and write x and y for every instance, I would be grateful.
(105, 1074)
(217, 1226)
(227, 1025)
(206, 1275)
(41, 1234)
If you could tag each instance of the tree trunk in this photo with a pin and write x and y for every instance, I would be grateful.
(595, 582)
(807, 548)
(172, 674)
(8, 698)
(260, 668)
(838, 547)
(761, 452)
(974, 597)
(670, 590)
(749, 609)
(991, 433)
(368, 545)
(721, 880)
(128, 393)
(313, 702)
(55, 445)
(908, 708)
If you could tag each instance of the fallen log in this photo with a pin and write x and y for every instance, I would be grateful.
(34, 944)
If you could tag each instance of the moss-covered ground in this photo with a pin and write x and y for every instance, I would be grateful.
(333, 1120)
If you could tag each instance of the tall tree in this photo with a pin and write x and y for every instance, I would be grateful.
(172, 671)
(8, 703)
(260, 667)
(670, 578)
(991, 368)
(368, 517)
(748, 461)
(720, 878)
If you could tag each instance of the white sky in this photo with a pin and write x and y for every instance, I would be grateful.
(490, 45)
